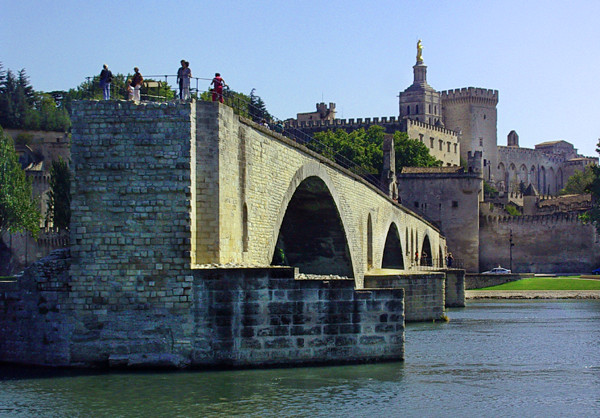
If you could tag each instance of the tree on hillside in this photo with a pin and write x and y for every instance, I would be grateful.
(579, 182)
(59, 196)
(412, 153)
(363, 148)
(18, 211)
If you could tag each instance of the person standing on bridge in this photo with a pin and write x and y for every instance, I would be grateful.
(105, 80)
(180, 79)
(187, 77)
(218, 83)
(136, 83)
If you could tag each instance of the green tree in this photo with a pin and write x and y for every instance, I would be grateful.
(18, 211)
(21, 107)
(59, 196)
(412, 153)
(579, 182)
(359, 150)
(257, 109)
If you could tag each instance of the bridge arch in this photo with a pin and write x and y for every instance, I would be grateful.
(393, 256)
(311, 226)
(426, 254)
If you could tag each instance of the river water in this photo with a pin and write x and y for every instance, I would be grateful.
(495, 358)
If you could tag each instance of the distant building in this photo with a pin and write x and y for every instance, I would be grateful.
(454, 123)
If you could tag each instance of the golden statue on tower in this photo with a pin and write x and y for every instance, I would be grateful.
(419, 52)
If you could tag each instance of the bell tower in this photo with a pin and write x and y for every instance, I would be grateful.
(420, 101)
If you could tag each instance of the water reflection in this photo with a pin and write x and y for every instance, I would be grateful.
(505, 358)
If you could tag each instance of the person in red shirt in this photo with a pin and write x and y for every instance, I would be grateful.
(218, 83)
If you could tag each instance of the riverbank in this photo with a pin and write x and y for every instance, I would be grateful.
(532, 294)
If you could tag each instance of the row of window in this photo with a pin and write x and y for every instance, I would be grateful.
(440, 144)
(435, 111)
(423, 207)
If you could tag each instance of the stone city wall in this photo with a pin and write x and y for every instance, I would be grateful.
(22, 249)
(481, 280)
(557, 243)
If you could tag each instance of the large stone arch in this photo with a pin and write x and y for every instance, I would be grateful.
(533, 176)
(393, 256)
(318, 177)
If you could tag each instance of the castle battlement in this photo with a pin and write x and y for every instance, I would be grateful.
(411, 122)
(341, 123)
(363, 122)
(551, 219)
(517, 152)
(471, 93)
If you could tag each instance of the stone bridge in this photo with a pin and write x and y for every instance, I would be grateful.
(164, 192)
(226, 191)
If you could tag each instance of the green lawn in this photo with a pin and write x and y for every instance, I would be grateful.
(549, 283)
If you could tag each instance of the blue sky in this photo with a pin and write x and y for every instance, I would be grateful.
(542, 56)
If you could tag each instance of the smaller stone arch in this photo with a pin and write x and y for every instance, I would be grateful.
(523, 174)
(559, 180)
(426, 253)
(512, 178)
(532, 175)
(551, 181)
(542, 181)
(503, 173)
(369, 242)
(393, 257)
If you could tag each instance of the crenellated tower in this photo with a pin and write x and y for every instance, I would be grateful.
(420, 101)
(472, 112)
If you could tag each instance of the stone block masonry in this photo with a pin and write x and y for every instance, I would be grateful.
(265, 316)
(238, 318)
(424, 293)
(131, 205)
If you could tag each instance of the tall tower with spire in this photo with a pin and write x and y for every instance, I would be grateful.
(420, 101)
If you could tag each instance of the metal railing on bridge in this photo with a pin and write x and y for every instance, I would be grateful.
(157, 88)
